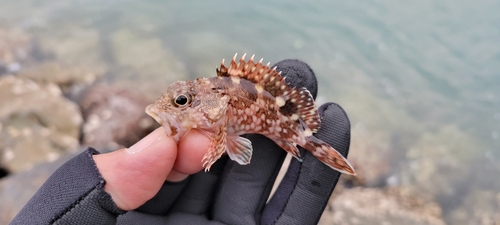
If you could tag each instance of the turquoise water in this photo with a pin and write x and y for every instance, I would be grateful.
(422, 75)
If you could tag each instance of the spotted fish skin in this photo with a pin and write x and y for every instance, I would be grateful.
(246, 97)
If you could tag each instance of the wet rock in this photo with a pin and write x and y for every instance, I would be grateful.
(37, 124)
(144, 63)
(72, 45)
(436, 163)
(381, 130)
(114, 117)
(370, 156)
(375, 206)
(481, 207)
(392, 146)
(17, 189)
(64, 76)
(15, 47)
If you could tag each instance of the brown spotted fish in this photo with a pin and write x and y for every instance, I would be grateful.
(247, 97)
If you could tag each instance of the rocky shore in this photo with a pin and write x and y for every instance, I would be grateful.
(55, 100)
(59, 93)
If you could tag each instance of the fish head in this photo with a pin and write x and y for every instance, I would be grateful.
(171, 110)
(189, 104)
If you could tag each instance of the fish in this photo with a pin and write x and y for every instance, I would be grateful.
(245, 97)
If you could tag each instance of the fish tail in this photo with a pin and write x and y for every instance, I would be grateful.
(328, 155)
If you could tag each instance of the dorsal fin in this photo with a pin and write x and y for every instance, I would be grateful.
(304, 101)
(294, 102)
(257, 73)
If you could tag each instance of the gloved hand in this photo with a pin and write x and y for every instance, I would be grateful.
(237, 194)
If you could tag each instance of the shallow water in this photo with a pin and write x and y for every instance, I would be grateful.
(423, 75)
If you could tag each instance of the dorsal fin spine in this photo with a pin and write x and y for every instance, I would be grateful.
(272, 81)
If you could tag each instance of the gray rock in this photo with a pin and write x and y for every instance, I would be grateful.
(367, 206)
(37, 124)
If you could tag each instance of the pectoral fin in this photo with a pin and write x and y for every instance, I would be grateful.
(239, 149)
(217, 147)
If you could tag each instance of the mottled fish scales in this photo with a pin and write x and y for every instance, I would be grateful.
(291, 100)
(245, 97)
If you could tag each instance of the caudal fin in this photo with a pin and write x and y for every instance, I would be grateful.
(328, 155)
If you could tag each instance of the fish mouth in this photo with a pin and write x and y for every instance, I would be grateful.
(151, 112)
(157, 115)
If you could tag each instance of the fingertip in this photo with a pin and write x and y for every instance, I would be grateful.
(163, 151)
(155, 150)
(335, 127)
(330, 109)
(132, 179)
(155, 136)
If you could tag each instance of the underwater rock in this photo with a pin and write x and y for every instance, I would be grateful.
(37, 124)
(436, 163)
(370, 156)
(15, 47)
(144, 63)
(365, 206)
(481, 207)
(64, 76)
(72, 46)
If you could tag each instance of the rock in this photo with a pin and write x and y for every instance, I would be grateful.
(72, 45)
(16, 190)
(381, 129)
(370, 156)
(114, 117)
(64, 76)
(144, 63)
(15, 47)
(481, 207)
(37, 124)
(393, 146)
(436, 162)
(375, 206)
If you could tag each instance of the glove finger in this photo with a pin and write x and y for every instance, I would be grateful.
(164, 199)
(199, 193)
(304, 192)
(245, 189)
(298, 74)
(135, 217)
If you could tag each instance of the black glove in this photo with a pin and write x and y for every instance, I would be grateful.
(236, 194)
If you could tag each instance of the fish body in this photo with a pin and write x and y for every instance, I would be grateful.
(246, 97)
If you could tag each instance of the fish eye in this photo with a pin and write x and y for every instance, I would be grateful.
(182, 100)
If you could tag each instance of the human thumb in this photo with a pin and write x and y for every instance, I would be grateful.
(135, 175)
